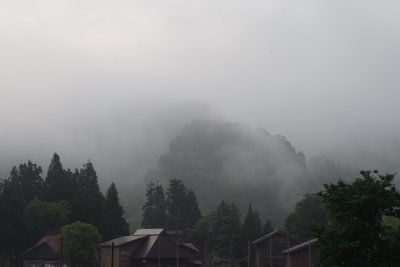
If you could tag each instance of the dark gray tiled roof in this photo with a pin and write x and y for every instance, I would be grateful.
(122, 240)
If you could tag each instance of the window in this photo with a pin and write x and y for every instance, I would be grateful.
(125, 253)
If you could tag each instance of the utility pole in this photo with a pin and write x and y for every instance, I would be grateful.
(309, 253)
(230, 252)
(177, 239)
(270, 251)
(248, 253)
(159, 251)
(112, 254)
(288, 247)
(61, 251)
(205, 252)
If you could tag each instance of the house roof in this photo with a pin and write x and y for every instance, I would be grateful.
(191, 246)
(300, 246)
(123, 240)
(153, 243)
(144, 250)
(149, 231)
(46, 248)
(53, 241)
(268, 235)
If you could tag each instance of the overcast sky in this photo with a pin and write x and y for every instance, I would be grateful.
(76, 76)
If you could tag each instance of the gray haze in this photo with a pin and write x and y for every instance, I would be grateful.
(115, 81)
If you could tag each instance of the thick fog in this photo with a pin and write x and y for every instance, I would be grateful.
(114, 82)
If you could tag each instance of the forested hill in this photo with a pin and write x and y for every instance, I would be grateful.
(232, 162)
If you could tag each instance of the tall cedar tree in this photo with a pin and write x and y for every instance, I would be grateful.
(154, 210)
(27, 181)
(182, 206)
(58, 184)
(23, 185)
(355, 235)
(251, 228)
(227, 229)
(192, 211)
(114, 224)
(88, 201)
(13, 230)
(267, 228)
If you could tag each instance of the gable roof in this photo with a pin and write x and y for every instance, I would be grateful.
(273, 233)
(47, 247)
(153, 243)
(144, 250)
(123, 240)
(164, 247)
(53, 241)
(149, 231)
(300, 246)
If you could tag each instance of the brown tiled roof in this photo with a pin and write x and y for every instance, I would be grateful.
(53, 241)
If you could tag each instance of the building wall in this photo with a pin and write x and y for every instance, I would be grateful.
(121, 255)
(105, 257)
(303, 257)
(268, 253)
(38, 263)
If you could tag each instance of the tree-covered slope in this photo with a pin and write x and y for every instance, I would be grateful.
(232, 162)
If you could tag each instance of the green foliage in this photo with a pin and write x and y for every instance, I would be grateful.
(113, 224)
(80, 242)
(88, 201)
(219, 231)
(176, 197)
(154, 210)
(309, 213)
(268, 228)
(227, 228)
(27, 181)
(41, 216)
(203, 231)
(59, 184)
(251, 227)
(355, 235)
(220, 160)
(72, 196)
(182, 207)
(191, 211)
(13, 230)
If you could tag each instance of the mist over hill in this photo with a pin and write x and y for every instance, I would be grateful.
(228, 161)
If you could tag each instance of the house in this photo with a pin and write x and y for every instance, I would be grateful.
(148, 248)
(268, 249)
(46, 252)
(302, 255)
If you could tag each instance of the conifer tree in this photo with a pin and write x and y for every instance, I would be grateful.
(268, 228)
(154, 212)
(88, 201)
(57, 185)
(251, 228)
(27, 181)
(227, 228)
(191, 211)
(114, 224)
(176, 197)
(14, 232)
